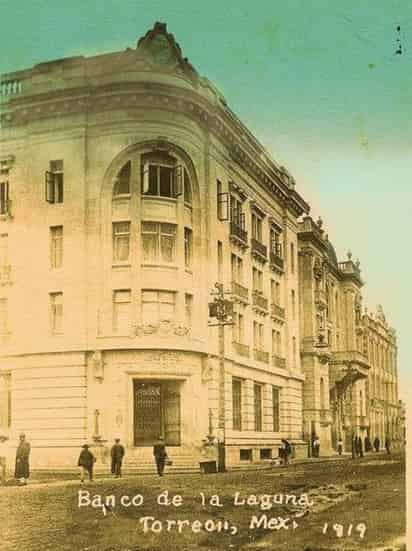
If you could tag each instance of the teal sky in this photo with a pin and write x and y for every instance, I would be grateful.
(319, 84)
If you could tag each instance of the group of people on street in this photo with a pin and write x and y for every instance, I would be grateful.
(358, 447)
(86, 459)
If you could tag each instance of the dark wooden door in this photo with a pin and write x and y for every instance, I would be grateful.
(147, 413)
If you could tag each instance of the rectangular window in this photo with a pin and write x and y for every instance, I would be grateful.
(159, 243)
(56, 246)
(220, 262)
(275, 243)
(276, 343)
(54, 182)
(276, 408)
(121, 241)
(293, 303)
(158, 306)
(257, 392)
(5, 401)
(4, 198)
(237, 403)
(237, 269)
(292, 258)
(56, 313)
(4, 316)
(257, 280)
(121, 311)
(256, 227)
(237, 217)
(188, 247)
(258, 335)
(189, 309)
(4, 249)
(222, 202)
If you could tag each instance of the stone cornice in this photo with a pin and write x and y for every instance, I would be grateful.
(22, 109)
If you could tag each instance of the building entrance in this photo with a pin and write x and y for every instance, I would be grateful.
(156, 412)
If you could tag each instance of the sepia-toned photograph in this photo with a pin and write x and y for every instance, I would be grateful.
(205, 219)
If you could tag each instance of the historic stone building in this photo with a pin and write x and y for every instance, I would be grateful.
(348, 356)
(128, 188)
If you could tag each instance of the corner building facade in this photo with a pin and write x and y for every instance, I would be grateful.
(128, 189)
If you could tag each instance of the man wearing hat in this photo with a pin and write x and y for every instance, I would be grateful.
(22, 471)
(160, 455)
(117, 454)
(86, 463)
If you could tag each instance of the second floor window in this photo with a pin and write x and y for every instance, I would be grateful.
(56, 246)
(54, 182)
(237, 217)
(276, 343)
(188, 247)
(258, 335)
(4, 197)
(239, 328)
(121, 311)
(275, 292)
(56, 313)
(121, 241)
(237, 268)
(158, 306)
(159, 243)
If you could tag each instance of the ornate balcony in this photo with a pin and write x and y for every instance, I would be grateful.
(258, 250)
(277, 311)
(260, 302)
(261, 356)
(276, 262)
(240, 291)
(347, 366)
(277, 361)
(238, 234)
(241, 349)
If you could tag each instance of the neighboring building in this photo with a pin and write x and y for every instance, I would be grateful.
(348, 358)
(128, 189)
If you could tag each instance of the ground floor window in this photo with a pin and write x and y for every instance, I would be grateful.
(156, 412)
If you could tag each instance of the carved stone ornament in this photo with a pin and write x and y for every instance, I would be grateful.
(164, 328)
(98, 365)
(317, 269)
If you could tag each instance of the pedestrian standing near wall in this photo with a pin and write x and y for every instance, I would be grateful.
(86, 463)
(160, 455)
(3, 457)
(22, 471)
(388, 445)
(117, 454)
(316, 446)
(340, 446)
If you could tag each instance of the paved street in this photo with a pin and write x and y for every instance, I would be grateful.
(365, 497)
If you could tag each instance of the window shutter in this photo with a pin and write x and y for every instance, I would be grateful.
(49, 183)
(223, 206)
(145, 178)
(178, 181)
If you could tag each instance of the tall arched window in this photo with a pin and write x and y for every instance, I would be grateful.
(165, 176)
(122, 180)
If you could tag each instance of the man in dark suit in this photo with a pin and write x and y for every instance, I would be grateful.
(160, 455)
(117, 453)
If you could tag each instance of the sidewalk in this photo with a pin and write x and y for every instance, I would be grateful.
(69, 478)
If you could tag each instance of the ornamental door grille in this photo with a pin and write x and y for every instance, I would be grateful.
(156, 413)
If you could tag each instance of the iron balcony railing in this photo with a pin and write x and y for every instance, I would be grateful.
(260, 301)
(277, 311)
(241, 349)
(277, 361)
(261, 355)
(276, 261)
(259, 248)
(239, 232)
(239, 290)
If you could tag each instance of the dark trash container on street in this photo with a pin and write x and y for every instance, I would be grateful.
(207, 467)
